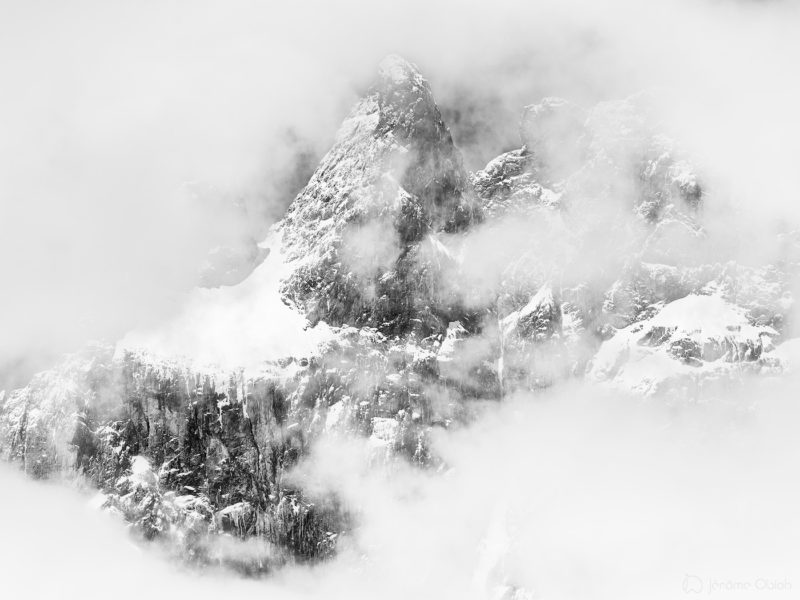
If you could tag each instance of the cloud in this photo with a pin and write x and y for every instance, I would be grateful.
(57, 546)
(580, 493)
(574, 493)
(109, 110)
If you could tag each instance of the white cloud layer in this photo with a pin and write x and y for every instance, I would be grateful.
(109, 109)
(572, 494)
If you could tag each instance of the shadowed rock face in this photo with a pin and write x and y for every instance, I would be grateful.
(183, 455)
(186, 455)
(376, 244)
(392, 178)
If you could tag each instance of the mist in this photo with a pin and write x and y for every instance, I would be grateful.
(110, 111)
(137, 139)
(575, 493)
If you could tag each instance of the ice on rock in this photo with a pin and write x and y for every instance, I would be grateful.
(398, 70)
(684, 339)
(580, 254)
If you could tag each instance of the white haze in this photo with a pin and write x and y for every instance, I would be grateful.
(573, 494)
(109, 109)
(232, 328)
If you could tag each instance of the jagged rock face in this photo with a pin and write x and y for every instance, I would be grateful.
(625, 194)
(187, 455)
(204, 454)
(39, 421)
(392, 178)
(684, 344)
(538, 320)
(206, 444)
(605, 154)
(532, 348)
(509, 185)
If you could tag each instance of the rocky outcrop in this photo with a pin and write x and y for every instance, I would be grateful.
(683, 345)
(188, 455)
(589, 243)
(532, 348)
(392, 178)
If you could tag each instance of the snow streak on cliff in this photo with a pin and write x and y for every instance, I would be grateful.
(400, 297)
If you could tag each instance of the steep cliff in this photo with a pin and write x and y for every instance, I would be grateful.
(582, 253)
(354, 234)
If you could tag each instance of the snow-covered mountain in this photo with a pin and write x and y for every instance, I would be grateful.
(411, 290)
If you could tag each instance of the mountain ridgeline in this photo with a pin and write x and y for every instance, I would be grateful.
(392, 178)
(581, 254)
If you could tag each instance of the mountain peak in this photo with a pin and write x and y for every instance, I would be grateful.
(407, 107)
(392, 178)
(397, 70)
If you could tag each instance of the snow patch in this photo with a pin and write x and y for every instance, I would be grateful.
(232, 328)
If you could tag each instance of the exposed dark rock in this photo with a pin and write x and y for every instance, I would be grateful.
(392, 178)
(596, 223)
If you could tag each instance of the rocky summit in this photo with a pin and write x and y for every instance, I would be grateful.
(585, 253)
(355, 232)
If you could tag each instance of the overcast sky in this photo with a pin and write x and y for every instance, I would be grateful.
(110, 109)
